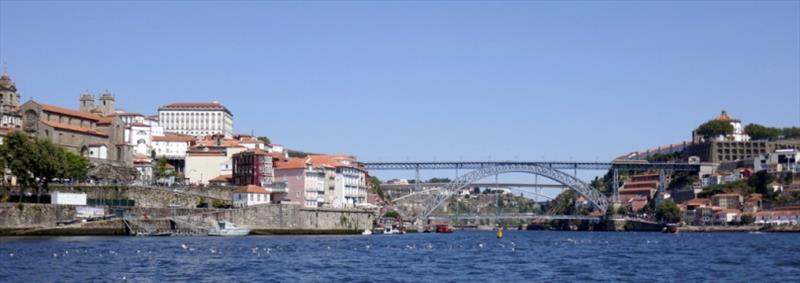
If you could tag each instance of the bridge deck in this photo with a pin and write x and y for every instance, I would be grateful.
(562, 165)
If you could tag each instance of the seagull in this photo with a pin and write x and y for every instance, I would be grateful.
(480, 245)
(212, 251)
(184, 246)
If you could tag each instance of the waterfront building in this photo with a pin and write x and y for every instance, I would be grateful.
(250, 195)
(196, 119)
(305, 183)
(777, 217)
(727, 216)
(253, 167)
(324, 181)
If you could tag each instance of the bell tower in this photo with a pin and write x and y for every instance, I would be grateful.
(107, 103)
(87, 102)
(9, 98)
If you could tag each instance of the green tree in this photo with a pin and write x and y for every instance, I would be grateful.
(439, 180)
(667, 211)
(162, 169)
(37, 162)
(682, 180)
(791, 133)
(264, 139)
(747, 219)
(563, 204)
(760, 182)
(759, 132)
(714, 128)
(391, 214)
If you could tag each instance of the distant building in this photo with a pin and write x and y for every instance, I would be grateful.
(105, 107)
(738, 134)
(781, 160)
(196, 119)
(731, 200)
(9, 102)
(89, 134)
(778, 217)
(203, 164)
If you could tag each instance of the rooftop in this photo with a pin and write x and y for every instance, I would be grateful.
(251, 189)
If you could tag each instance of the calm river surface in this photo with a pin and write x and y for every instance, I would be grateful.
(462, 256)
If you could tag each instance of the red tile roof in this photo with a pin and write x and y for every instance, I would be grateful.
(251, 189)
(70, 112)
(222, 178)
(175, 138)
(71, 128)
(291, 163)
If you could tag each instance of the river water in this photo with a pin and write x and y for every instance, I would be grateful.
(459, 257)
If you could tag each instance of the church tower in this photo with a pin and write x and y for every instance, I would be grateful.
(9, 98)
(87, 102)
(107, 103)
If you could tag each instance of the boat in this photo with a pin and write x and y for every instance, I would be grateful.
(444, 229)
(225, 228)
(671, 228)
(391, 231)
(366, 232)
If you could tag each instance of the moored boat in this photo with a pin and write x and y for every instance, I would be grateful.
(225, 228)
(444, 229)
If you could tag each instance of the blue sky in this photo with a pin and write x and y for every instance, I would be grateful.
(424, 80)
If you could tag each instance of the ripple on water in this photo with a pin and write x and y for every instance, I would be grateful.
(521, 256)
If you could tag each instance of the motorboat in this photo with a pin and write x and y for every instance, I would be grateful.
(444, 229)
(366, 232)
(391, 230)
(225, 228)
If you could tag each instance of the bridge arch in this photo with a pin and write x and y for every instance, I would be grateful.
(598, 200)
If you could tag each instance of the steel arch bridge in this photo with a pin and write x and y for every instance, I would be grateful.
(598, 200)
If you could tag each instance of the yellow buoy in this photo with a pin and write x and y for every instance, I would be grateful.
(500, 233)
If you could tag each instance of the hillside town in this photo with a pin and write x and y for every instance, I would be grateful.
(183, 144)
(748, 174)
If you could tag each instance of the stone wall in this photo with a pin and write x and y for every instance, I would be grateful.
(274, 217)
(263, 219)
(13, 215)
(148, 196)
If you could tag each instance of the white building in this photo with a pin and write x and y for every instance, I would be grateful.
(68, 198)
(250, 195)
(203, 164)
(782, 160)
(196, 119)
(351, 186)
(99, 151)
(139, 136)
(738, 131)
(172, 146)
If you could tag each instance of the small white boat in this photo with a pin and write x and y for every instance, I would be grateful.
(225, 228)
(367, 232)
(391, 231)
